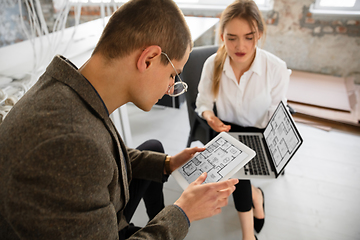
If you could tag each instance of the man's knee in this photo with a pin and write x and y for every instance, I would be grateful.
(152, 145)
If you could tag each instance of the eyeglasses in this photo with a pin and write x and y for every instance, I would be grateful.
(178, 87)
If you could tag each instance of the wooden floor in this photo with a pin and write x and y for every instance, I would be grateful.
(317, 198)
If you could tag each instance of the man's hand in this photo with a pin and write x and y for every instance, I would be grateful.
(200, 201)
(182, 157)
(214, 122)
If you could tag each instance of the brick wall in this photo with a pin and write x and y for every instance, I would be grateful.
(328, 45)
(321, 25)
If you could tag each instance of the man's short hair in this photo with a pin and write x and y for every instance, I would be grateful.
(142, 23)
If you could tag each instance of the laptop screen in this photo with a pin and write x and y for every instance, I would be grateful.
(282, 137)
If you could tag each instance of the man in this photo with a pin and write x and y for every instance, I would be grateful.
(64, 170)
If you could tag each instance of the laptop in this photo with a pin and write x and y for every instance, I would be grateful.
(274, 147)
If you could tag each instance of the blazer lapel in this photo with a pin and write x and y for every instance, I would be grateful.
(124, 163)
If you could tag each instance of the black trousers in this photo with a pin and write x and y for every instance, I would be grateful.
(151, 192)
(242, 194)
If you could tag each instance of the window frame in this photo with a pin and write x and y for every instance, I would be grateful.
(316, 9)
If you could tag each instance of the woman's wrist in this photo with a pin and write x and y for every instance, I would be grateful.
(207, 115)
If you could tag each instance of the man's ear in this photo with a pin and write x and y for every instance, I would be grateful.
(147, 57)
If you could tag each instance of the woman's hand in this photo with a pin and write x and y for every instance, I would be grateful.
(214, 122)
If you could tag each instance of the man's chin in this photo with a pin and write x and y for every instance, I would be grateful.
(145, 107)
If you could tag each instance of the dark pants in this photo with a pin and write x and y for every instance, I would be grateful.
(151, 192)
(242, 194)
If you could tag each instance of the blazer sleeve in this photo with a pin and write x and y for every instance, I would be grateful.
(147, 165)
(170, 223)
(64, 194)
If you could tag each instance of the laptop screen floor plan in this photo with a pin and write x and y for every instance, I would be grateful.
(274, 147)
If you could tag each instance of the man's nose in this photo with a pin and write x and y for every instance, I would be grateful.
(169, 89)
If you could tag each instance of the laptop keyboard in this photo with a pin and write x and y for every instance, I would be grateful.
(257, 165)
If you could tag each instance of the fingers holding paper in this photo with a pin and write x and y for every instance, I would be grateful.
(184, 156)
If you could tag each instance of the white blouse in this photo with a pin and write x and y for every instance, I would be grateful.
(254, 99)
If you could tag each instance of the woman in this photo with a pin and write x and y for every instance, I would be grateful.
(246, 83)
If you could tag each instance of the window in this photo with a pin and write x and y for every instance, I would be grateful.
(264, 5)
(343, 7)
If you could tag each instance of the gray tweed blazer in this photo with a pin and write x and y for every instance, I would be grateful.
(64, 170)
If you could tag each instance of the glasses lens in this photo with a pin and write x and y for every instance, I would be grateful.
(177, 89)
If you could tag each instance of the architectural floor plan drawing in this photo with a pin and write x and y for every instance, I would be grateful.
(220, 158)
(281, 137)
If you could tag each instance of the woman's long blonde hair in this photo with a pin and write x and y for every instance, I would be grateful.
(243, 9)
